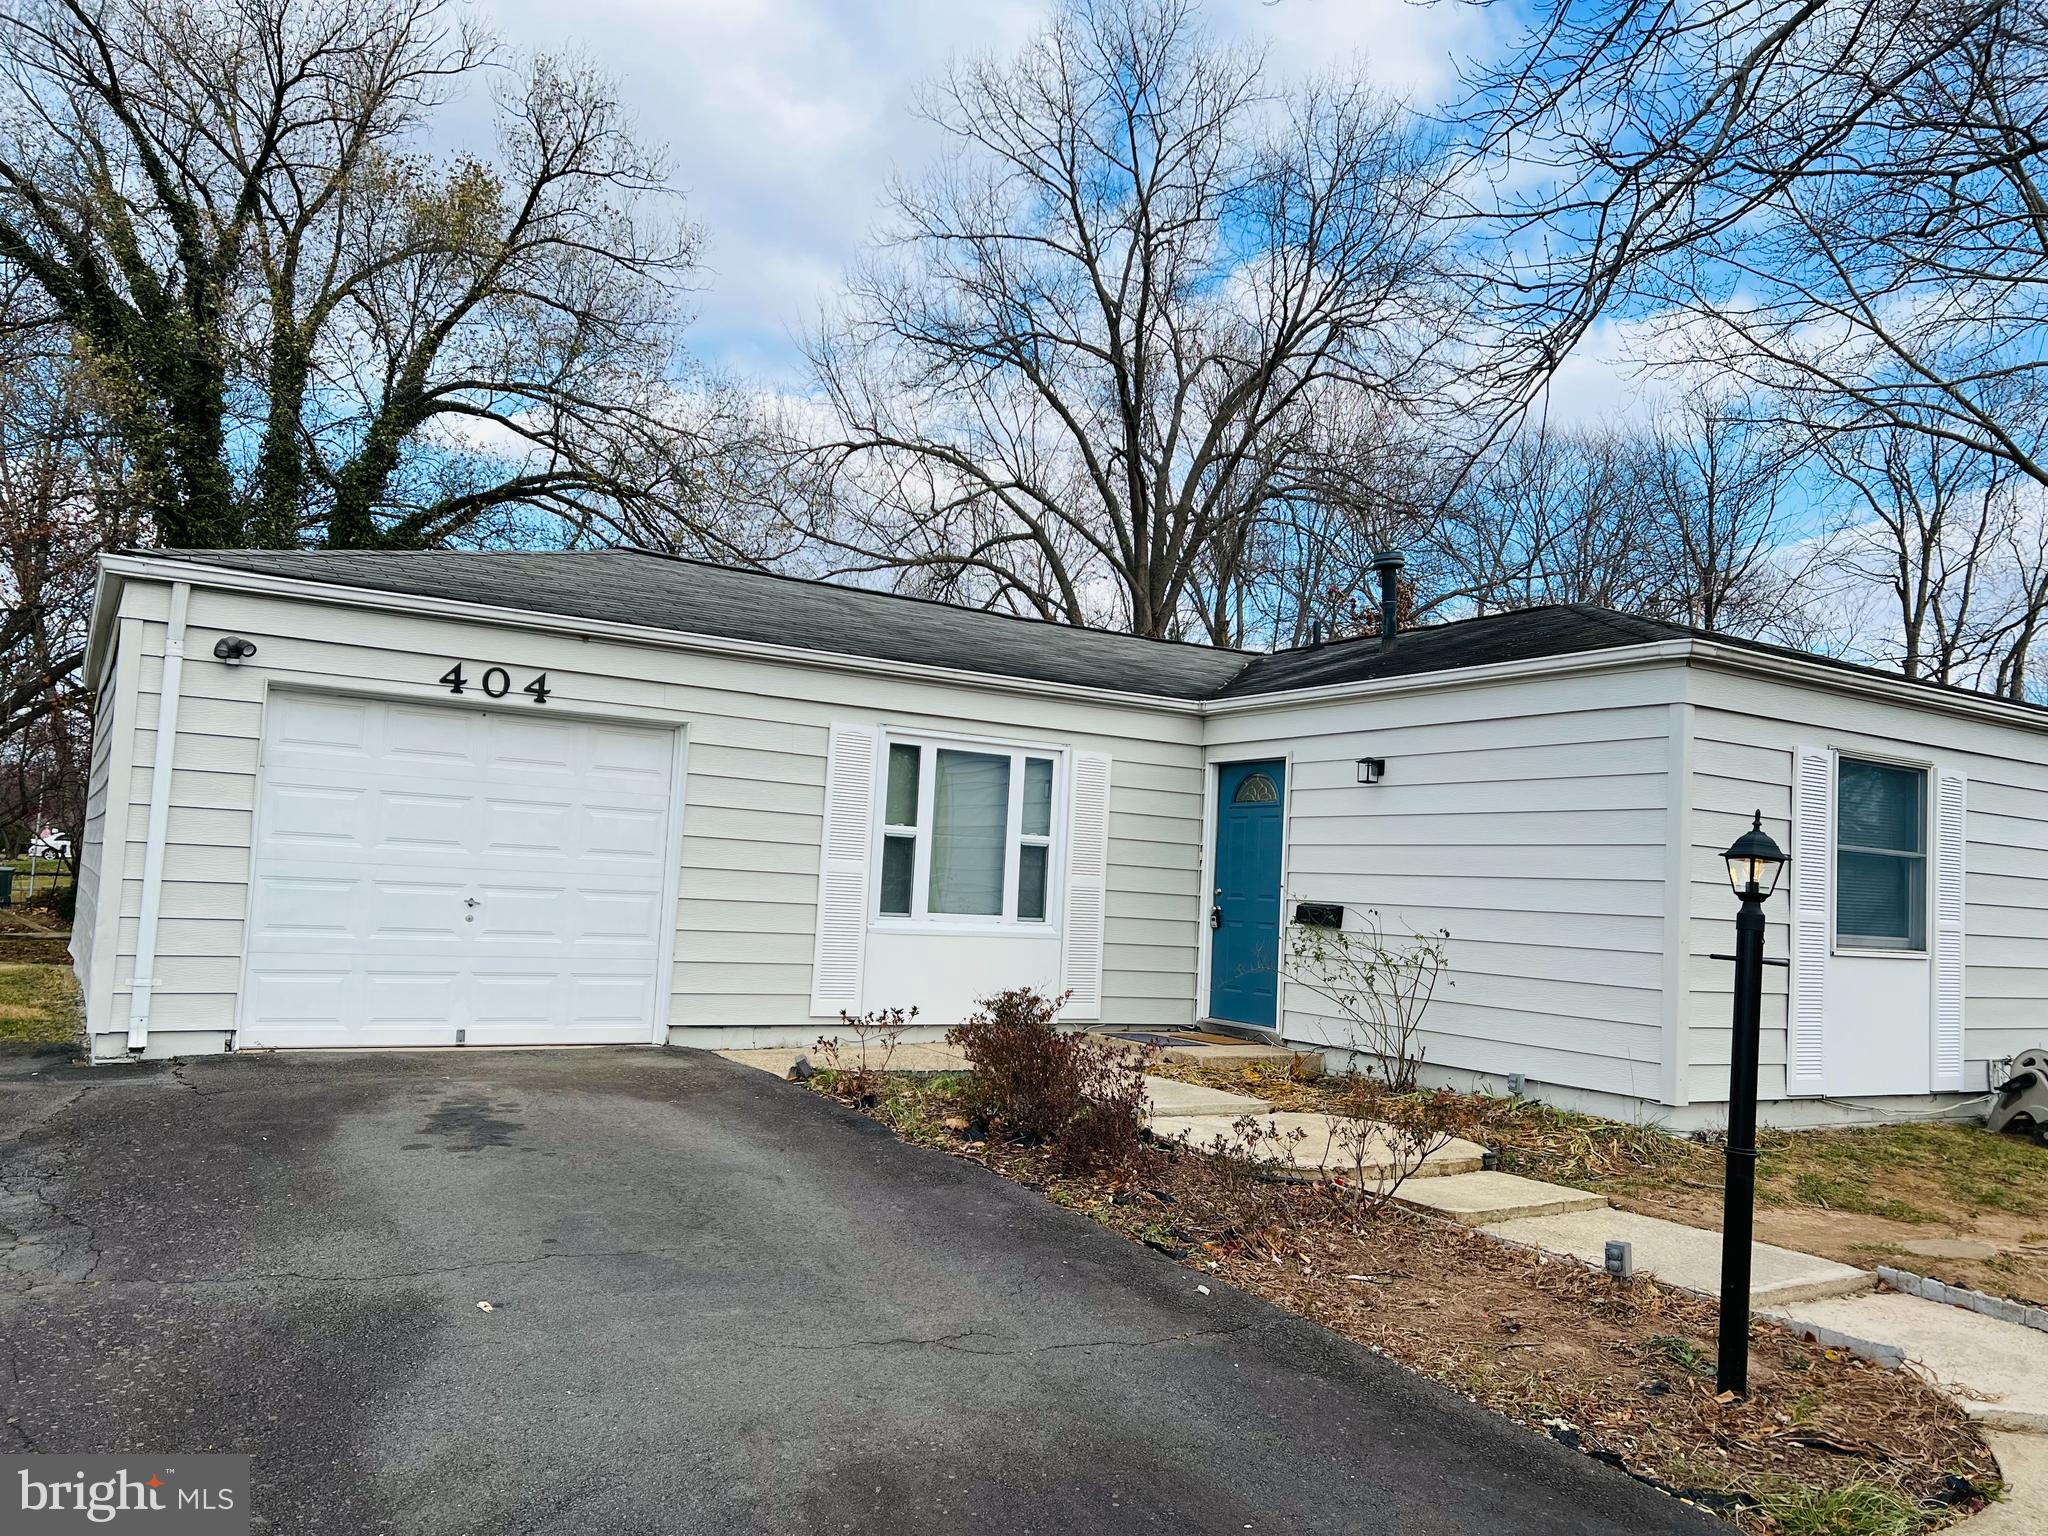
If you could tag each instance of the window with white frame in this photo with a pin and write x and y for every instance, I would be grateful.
(967, 833)
(1880, 856)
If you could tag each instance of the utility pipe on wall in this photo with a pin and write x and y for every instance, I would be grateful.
(144, 984)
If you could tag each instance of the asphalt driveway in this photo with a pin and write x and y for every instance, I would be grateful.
(718, 1303)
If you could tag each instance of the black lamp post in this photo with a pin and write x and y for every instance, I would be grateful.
(1754, 864)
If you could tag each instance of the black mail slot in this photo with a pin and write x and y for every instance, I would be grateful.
(1319, 914)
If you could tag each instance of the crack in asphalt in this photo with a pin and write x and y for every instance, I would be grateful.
(178, 1076)
(48, 1115)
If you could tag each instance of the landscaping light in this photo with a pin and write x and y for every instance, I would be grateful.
(1370, 769)
(1754, 864)
(1755, 861)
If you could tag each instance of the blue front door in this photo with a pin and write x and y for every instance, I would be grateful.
(1244, 917)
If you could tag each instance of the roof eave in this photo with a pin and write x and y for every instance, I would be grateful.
(1816, 673)
(229, 578)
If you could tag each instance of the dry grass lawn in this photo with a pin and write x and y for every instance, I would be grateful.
(1946, 1199)
(38, 1005)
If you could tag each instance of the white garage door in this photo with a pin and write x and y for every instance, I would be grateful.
(434, 875)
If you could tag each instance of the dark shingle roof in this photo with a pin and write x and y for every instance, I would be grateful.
(1521, 635)
(629, 586)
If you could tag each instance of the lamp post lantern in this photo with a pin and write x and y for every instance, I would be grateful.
(1754, 864)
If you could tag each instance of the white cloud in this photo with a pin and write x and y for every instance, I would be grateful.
(786, 118)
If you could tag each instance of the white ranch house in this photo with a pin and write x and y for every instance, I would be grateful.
(446, 799)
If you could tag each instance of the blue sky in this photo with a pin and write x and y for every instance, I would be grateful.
(786, 118)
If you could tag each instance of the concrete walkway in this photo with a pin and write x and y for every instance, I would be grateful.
(1686, 1257)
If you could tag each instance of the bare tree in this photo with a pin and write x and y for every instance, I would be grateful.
(1955, 548)
(1094, 352)
(65, 483)
(1846, 200)
(317, 332)
(1555, 517)
(1722, 491)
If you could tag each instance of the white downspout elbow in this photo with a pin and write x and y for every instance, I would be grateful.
(144, 984)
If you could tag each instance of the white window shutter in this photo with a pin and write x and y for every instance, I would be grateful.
(843, 870)
(1813, 868)
(1087, 888)
(1950, 843)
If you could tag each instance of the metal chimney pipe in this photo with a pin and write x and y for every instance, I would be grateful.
(1389, 563)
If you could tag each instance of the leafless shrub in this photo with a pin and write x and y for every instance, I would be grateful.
(876, 1036)
(1380, 986)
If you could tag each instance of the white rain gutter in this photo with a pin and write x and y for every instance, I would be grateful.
(144, 984)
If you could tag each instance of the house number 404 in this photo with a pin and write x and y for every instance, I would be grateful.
(495, 683)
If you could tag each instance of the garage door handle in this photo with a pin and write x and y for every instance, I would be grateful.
(471, 901)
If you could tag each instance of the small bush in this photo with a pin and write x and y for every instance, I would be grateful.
(1033, 1081)
(876, 1036)
(1027, 1072)
(59, 900)
(1104, 1131)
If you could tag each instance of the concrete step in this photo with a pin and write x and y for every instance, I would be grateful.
(1197, 1047)
(1998, 1370)
(922, 1058)
(1485, 1198)
(1168, 1097)
(1314, 1146)
(1686, 1257)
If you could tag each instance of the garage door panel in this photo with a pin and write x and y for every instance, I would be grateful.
(287, 994)
(516, 996)
(612, 918)
(314, 815)
(526, 827)
(409, 820)
(306, 908)
(426, 869)
(302, 728)
(608, 999)
(432, 740)
(414, 910)
(532, 751)
(628, 760)
(522, 914)
(624, 837)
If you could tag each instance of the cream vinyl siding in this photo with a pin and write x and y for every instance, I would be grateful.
(753, 800)
(96, 923)
(1748, 732)
(1529, 819)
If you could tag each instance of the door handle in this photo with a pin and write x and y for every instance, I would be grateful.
(471, 901)
(1215, 917)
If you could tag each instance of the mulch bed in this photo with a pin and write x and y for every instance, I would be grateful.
(35, 949)
(1620, 1371)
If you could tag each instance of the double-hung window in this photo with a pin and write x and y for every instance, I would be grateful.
(967, 833)
(1880, 856)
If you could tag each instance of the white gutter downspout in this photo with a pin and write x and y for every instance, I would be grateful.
(144, 983)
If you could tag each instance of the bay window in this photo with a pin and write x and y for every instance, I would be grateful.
(967, 833)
